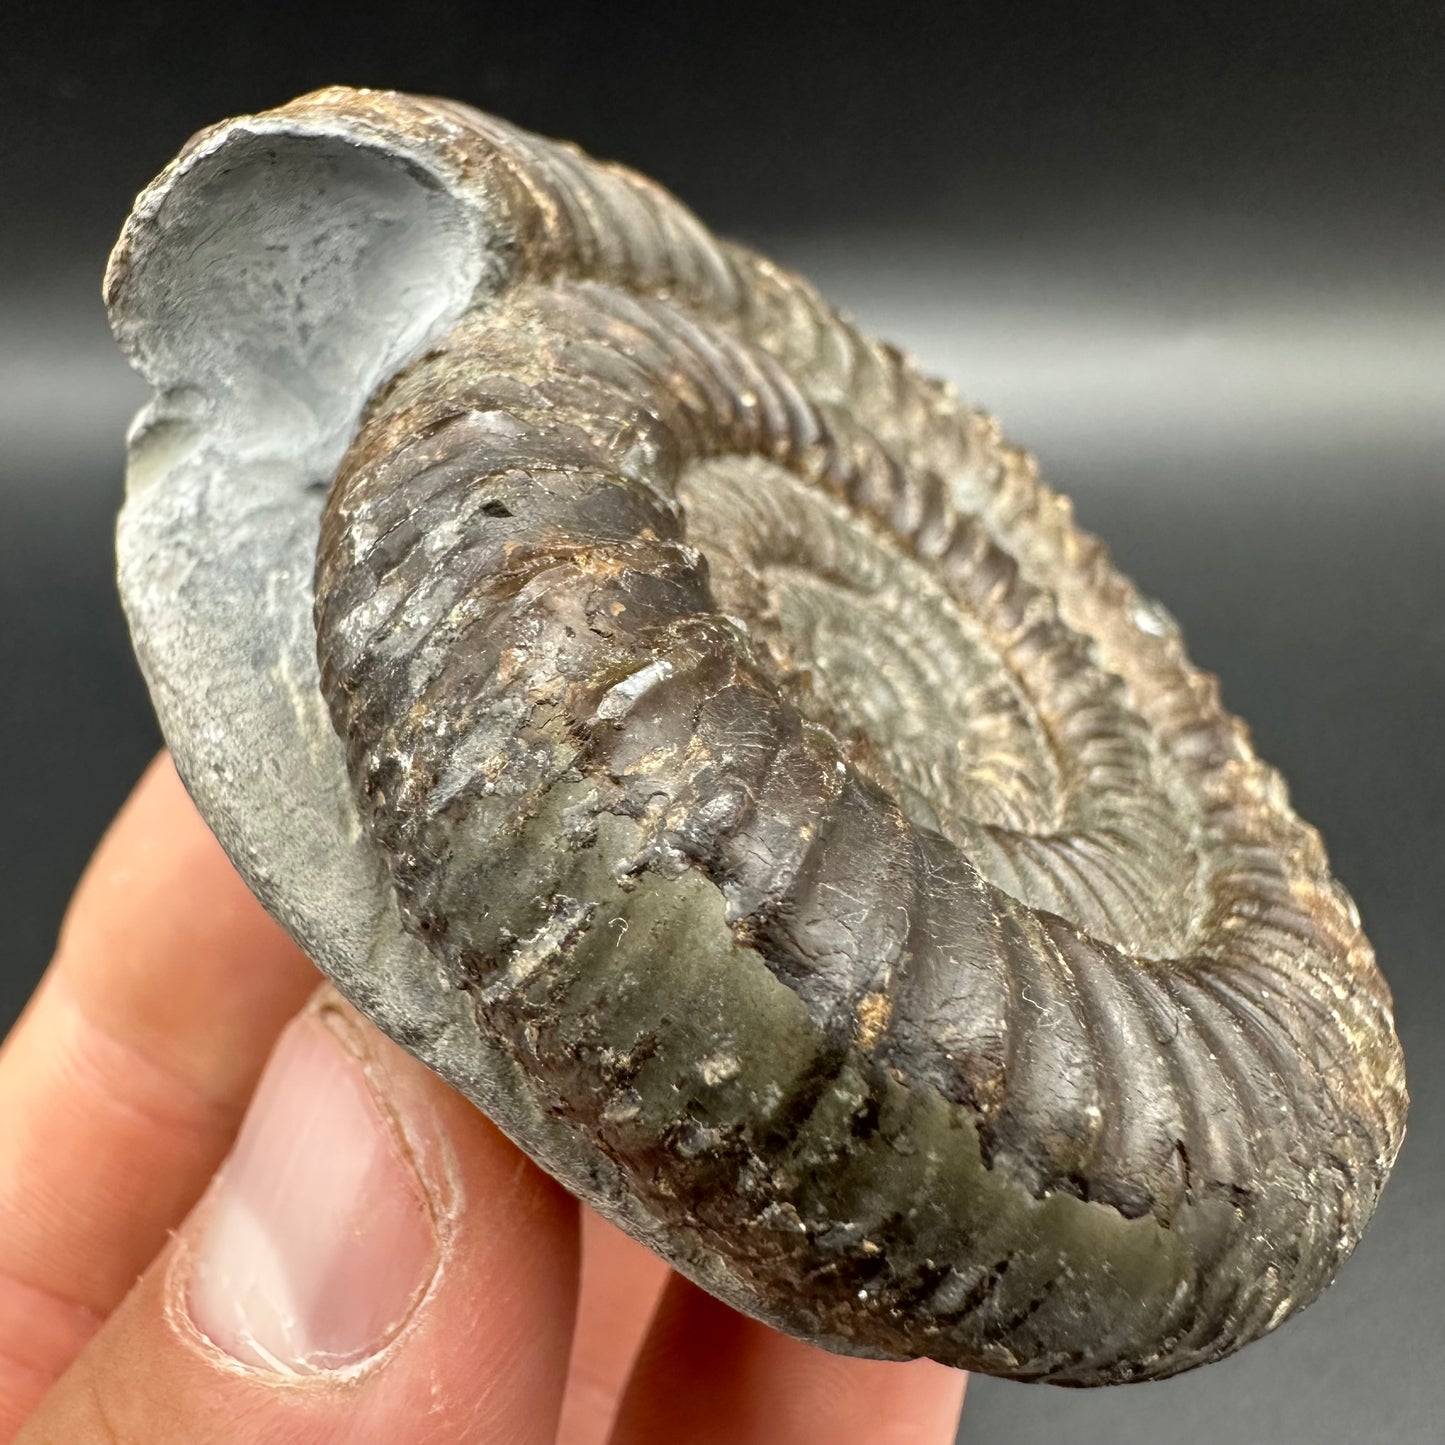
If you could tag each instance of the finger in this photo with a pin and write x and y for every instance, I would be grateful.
(621, 1284)
(376, 1263)
(711, 1376)
(122, 1084)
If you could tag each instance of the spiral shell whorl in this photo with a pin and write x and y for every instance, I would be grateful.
(1048, 1048)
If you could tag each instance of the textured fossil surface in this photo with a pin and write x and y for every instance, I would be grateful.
(707, 744)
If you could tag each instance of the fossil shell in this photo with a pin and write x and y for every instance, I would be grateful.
(704, 742)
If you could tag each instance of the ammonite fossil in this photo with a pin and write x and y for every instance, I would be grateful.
(703, 741)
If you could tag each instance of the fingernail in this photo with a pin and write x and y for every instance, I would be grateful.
(318, 1237)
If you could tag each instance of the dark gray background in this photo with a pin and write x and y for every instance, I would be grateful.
(1191, 253)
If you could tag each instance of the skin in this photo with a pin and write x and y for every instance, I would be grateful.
(121, 1091)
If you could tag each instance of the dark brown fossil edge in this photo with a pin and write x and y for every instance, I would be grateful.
(1194, 1220)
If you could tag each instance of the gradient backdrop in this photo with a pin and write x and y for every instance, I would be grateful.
(1192, 254)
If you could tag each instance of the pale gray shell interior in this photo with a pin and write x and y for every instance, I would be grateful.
(304, 261)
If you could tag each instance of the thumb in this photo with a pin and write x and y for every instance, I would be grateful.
(375, 1262)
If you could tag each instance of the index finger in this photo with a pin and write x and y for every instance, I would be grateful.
(123, 1083)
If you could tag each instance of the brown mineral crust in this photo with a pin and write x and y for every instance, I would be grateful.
(854, 890)
(569, 644)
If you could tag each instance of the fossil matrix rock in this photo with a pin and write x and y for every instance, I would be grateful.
(705, 743)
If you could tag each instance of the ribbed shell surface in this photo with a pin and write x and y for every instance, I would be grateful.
(823, 822)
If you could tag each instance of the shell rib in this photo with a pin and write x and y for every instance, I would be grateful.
(828, 834)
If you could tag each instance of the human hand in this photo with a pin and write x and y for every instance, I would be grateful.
(374, 1260)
